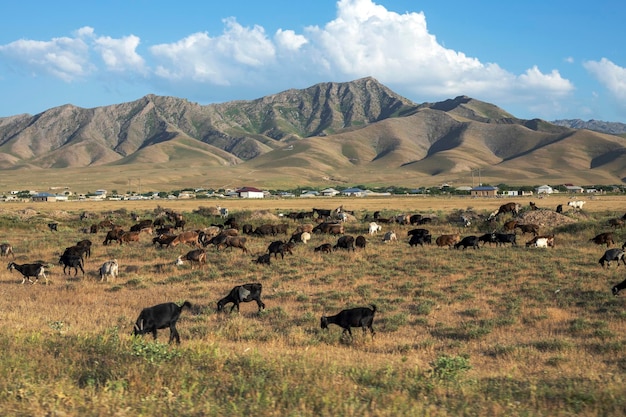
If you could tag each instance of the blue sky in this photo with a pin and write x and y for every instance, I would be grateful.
(535, 58)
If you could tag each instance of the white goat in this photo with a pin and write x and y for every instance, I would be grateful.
(109, 268)
(374, 228)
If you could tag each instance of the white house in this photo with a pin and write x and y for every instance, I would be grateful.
(544, 189)
(574, 189)
(250, 192)
(329, 192)
(353, 192)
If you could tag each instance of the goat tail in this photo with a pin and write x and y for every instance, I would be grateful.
(373, 307)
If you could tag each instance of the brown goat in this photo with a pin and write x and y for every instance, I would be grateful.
(189, 237)
(235, 242)
(528, 228)
(603, 238)
(196, 255)
(448, 240)
(128, 237)
(6, 249)
(510, 225)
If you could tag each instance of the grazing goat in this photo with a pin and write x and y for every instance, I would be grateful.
(234, 242)
(53, 227)
(303, 237)
(6, 250)
(488, 238)
(390, 237)
(420, 240)
(502, 238)
(506, 208)
(616, 223)
(109, 269)
(576, 204)
(468, 241)
(345, 242)
(243, 294)
(324, 248)
(559, 208)
(71, 261)
(35, 270)
(448, 240)
(189, 237)
(113, 235)
(541, 241)
(509, 226)
(160, 316)
(612, 255)
(281, 247)
(355, 317)
(360, 242)
(86, 243)
(374, 228)
(163, 240)
(196, 255)
(263, 259)
(617, 288)
(603, 238)
(528, 228)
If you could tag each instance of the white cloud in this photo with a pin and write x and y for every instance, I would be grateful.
(289, 40)
(610, 75)
(220, 60)
(397, 49)
(364, 39)
(120, 55)
(64, 58)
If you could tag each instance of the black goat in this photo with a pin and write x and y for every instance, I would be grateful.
(420, 240)
(160, 316)
(53, 227)
(617, 288)
(263, 259)
(35, 270)
(71, 261)
(242, 294)
(354, 317)
(502, 238)
(468, 241)
(281, 247)
(612, 255)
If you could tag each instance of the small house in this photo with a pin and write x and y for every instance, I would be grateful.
(250, 192)
(544, 189)
(484, 191)
(352, 192)
(43, 197)
(329, 192)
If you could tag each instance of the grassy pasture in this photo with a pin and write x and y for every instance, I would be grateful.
(498, 331)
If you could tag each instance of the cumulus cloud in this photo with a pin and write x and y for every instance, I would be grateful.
(289, 40)
(120, 55)
(364, 39)
(65, 58)
(610, 75)
(221, 60)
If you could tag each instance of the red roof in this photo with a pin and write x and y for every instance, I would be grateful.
(249, 190)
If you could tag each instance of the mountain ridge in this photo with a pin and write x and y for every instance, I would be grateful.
(358, 131)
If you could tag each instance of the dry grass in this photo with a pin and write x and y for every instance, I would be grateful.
(495, 331)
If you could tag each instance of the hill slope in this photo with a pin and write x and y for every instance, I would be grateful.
(357, 132)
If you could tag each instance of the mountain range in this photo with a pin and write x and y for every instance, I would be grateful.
(358, 132)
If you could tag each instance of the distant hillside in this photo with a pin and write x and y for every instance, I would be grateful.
(358, 132)
(612, 128)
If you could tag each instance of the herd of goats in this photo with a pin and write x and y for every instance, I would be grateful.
(165, 232)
